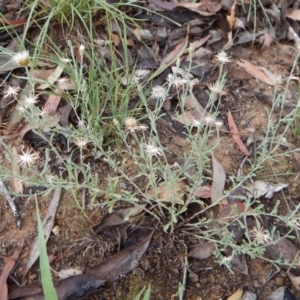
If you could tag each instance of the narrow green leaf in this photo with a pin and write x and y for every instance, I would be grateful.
(47, 283)
(147, 293)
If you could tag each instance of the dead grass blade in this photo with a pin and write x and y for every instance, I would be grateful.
(17, 184)
(6, 270)
(218, 181)
(172, 57)
(52, 78)
(236, 135)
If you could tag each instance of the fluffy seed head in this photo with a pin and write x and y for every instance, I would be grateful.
(153, 150)
(260, 235)
(209, 120)
(159, 93)
(217, 88)
(223, 57)
(81, 142)
(132, 125)
(22, 58)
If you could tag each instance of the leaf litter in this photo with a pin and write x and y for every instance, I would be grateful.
(205, 29)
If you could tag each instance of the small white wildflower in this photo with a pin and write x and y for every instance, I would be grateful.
(176, 81)
(295, 223)
(278, 80)
(81, 142)
(175, 166)
(22, 58)
(160, 93)
(219, 123)
(116, 122)
(62, 80)
(142, 127)
(50, 178)
(260, 235)
(223, 57)
(20, 108)
(27, 158)
(29, 100)
(81, 123)
(226, 260)
(65, 60)
(11, 91)
(209, 120)
(217, 88)
(81, 49)
(153, 150)
(196, 123)
(132, 125)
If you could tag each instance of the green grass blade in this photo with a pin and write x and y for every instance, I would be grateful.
(147, 293)
(47, 283)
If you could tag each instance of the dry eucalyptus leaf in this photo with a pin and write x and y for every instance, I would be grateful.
(202, 251)
(169, 192)
(237, 295)
(260, 73)
(295, 280)
(294, 14)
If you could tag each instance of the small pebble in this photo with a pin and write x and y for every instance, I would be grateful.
(279, 281)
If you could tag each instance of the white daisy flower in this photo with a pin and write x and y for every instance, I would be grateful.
(116, 122)
(132, 125)
(219, 123)
(160, 93)
(62, 80)
(81, 123)
(22, 58)
(223, 57)
(28, 157)
(81, 142)
(142, 127)
(260, 235)
(153, 150)
(11, 91)
(209, 120)
(29, 100)
(175, 166)
(196, 123)
(217, 88)
(81, 49)
(20, 108)
(176, 81)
